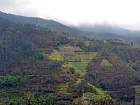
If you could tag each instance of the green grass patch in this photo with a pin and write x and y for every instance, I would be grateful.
(88, 43)
(86, 56)
(56, 56)
(62, 89)
(99, 94)
(106, 64)
(77, 59)
(68, 48)
(72, 53)
(79, 67)
(32, 99)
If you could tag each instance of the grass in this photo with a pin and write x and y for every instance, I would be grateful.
(77, 59)
(79, 81)
(56, 56)
(68, 48)
(106, 64)
(87, 43)
(94, 97)
(98, 90)
(76, 54)
(79, 67)
(86, 56)
(62, 89)
(73, 57)
(98, 95)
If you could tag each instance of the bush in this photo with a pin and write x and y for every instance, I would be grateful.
(16, 101)
(40, 56)
(9, 81)
(31, 99)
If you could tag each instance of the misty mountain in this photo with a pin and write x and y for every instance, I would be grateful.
(50, 24)
(81, 30)
(111, 32)
(45, 57)
(96, 31)
(106, 28)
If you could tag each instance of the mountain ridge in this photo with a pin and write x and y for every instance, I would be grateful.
(51, 24)
(108, 28)
(96, 31)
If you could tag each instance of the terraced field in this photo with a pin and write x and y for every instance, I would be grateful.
(77, 59)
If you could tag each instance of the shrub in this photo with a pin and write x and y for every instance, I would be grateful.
(9, 81)
(40, 56)
(15, 101)
(31, 99)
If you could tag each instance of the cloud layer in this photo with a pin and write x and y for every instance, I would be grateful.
(120, 12)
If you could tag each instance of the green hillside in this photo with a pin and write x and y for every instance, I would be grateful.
(40, 66)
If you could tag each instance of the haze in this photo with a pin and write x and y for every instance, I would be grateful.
(124, 13)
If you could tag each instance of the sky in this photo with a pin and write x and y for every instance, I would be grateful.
(124, 13)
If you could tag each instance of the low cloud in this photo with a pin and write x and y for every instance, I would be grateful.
(19, 7)
(78, 11)
(7, 3)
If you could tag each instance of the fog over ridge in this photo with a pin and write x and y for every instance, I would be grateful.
(122, 13)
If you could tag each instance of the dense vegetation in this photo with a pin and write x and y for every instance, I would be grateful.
(44, 67)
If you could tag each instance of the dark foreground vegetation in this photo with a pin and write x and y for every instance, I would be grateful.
(39, 66)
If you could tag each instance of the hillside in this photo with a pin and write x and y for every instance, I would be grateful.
(98, 31)
(44, 66)
(107, 31)
(50, 24)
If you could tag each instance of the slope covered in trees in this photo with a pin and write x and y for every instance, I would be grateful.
(44, 67)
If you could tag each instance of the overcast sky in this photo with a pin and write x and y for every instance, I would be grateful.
(125, 13)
